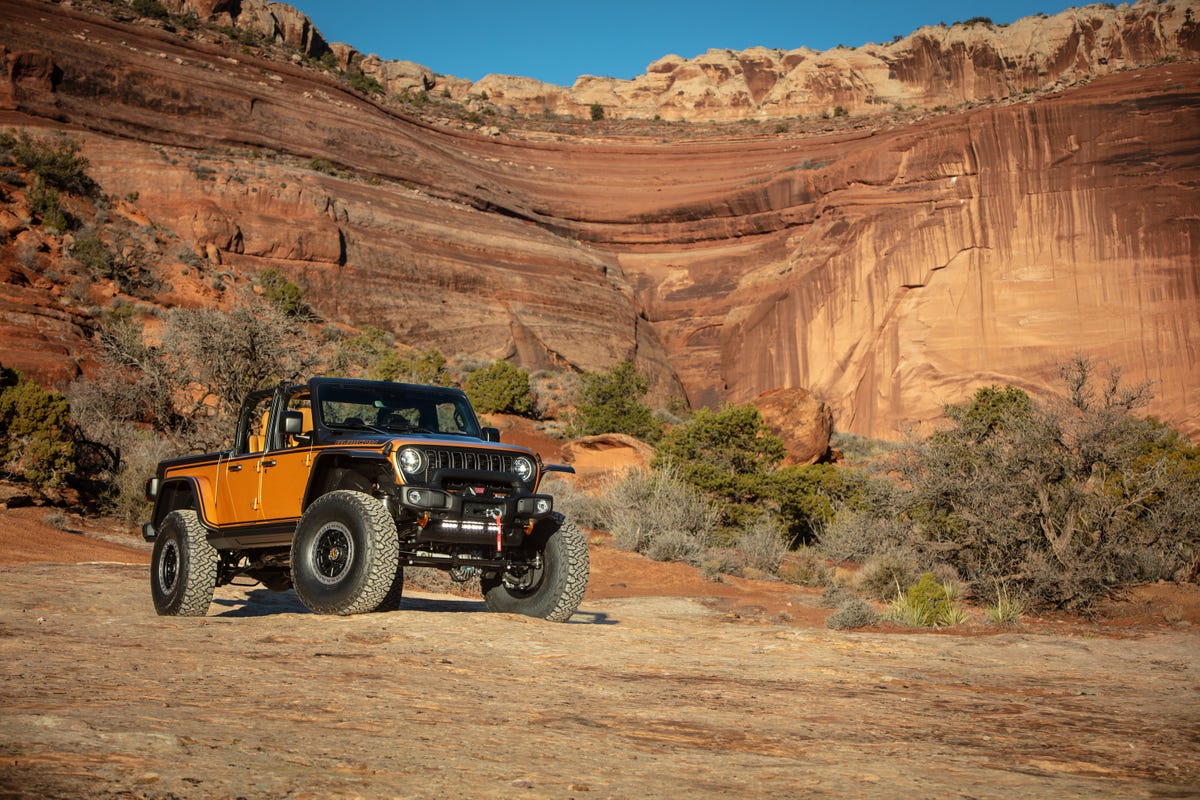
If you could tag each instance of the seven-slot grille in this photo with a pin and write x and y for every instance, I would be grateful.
(466, 459)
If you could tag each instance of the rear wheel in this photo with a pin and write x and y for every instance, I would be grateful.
(553, 587)
(345, 554)
(183, 567)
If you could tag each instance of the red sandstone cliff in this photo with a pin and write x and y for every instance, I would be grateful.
(888, 268)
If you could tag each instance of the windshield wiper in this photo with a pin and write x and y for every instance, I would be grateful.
(408, 429)
(356, 426)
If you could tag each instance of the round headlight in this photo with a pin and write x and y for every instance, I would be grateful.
(524, 468)
(412, 460)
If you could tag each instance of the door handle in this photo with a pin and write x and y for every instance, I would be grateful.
(270, 462)
(236, 468)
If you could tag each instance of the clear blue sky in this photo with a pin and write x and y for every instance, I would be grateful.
(558, 40)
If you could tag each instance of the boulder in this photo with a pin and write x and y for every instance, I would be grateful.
(606, 453)
(803, 422)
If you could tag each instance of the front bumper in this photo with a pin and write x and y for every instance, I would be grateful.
(475, 515)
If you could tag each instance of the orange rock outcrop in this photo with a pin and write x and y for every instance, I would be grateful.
(886, 264)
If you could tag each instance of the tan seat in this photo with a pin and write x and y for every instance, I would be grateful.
(258, 441)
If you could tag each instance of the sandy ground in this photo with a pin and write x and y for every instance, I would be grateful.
(664, 685)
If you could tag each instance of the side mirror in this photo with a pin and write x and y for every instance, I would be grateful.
(491, 434)
(293, 423)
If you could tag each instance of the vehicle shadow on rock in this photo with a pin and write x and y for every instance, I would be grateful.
(264, 603)
(261, 603)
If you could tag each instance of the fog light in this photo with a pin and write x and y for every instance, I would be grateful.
(414, 496)
(543, 505)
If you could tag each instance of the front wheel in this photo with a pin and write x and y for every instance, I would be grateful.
(551, 589)
(183, 567)
(345, 554)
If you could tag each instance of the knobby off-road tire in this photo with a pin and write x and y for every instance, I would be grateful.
(183, 567)
(345, 554)
(552, 592)
(391, 600)
(354, 481)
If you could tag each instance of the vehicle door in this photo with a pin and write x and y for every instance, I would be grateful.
(240, 474)
(287, 462)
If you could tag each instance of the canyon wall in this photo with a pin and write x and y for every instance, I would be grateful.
(888, 266)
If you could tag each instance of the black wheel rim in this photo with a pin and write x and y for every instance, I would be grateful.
(332, 554)
(168, 567)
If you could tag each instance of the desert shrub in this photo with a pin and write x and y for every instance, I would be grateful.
(610, 402)
(54, 160)
(808, 497)
(675, 544)
(190, 386)
(727, 455)
(597, 112)
(835, 596)
(363, 83)
(555, 391)
(124, 495)
(925, 603)
(1005, 609)
(189, 257)
(855, 613)
(500, 388)
(365, 354)
(657, 514)
(36, 442)
(94, 256)
(282, 293)
(57, 520)
(1060, 501)
(321, 165)
(858, 535)
(328, 61)
(804, 567)
(761, 546)
(229, 354)
(373, 354)
(151, 9)
(719, 561)
(417, 366)
(585, 509)
(46, 207)
(883, 576)
(856, 449)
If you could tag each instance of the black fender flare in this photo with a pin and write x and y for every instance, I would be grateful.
(176, 494)
(329, 462)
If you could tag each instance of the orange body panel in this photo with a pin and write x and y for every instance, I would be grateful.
(251, 488)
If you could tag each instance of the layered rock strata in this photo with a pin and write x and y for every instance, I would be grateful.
(887, 269)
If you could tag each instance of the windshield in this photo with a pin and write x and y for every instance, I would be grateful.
(395, 409)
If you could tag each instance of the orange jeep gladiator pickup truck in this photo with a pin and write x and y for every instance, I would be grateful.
(334, 486)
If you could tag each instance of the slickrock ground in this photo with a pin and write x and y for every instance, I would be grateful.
(660, 694)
